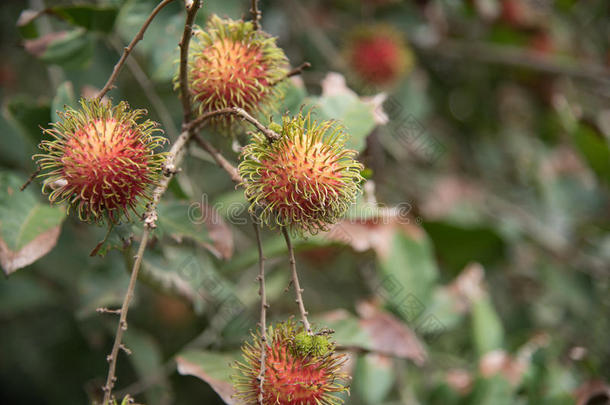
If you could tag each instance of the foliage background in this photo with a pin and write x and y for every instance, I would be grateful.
(496, 153)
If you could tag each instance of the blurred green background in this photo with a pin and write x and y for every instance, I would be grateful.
(474, 270)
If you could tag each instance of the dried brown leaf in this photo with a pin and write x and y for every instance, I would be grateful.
(28, 254)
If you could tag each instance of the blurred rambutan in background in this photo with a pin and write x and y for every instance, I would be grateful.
(378, 55)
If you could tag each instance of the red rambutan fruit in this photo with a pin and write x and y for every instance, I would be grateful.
(233, 65)
(100, 160)
(379, 55)
(306, 180)
(299, 369)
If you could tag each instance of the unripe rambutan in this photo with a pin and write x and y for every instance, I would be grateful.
(233, 65)
(379, 55)
(101, 160)
(306, 180)
(292, 376)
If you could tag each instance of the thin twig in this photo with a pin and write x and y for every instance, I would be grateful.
(264, 306)
(173, 160)
(295, 280)
(219, 159)
(149, 89)
(256, 14)
(104, 310)
(185, 94)
(198, 122)
(294, 72)
(129, 48)
(122, 327)
(31, 178)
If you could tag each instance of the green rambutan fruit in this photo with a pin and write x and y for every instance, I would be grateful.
(292, 376)
(233, 65)
(101, 160)
(306, 180)
(379, 55)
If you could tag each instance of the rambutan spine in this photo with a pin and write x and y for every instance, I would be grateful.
(306, 180)
(234, 65)
(101, 160)
(293, 376)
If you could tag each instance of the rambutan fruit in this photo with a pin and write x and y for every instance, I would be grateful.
(100, 160)
(379, 55)
(233, 65)
(306, 180)
(292, 375)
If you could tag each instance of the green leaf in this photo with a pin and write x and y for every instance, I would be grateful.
(487, 330)
(73, 50)
(491, 391)
(29, 116)
(90, 17)
(373, 378)
(350, 111)
(410, 265)
(26, 24)
(377, 331)
(22, 294)
(165, 53)
(147, 360)
(213, 368)
(187, 273)
(160, 43)
(595, 150)
(99, 286)
(178, 219)
(28, 229)
(292, 100)
(459, 245)
(63, 97)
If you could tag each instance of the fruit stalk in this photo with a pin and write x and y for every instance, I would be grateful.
(295, 282)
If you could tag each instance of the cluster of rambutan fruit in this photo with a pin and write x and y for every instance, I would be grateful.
(103, 161)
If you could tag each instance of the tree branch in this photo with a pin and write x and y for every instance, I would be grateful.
(129, 48)
(293, 72)
(219, 159)
(256, 14)
(264, 306)
(149, 89)
(185, 94)
(295, 281)
(199, 121)
(122, 327)
(173, 160)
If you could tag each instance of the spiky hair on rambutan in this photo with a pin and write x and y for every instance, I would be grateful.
(101, 160)
(300, 369)
(234, 65)
(378, 55)
(306, 180)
